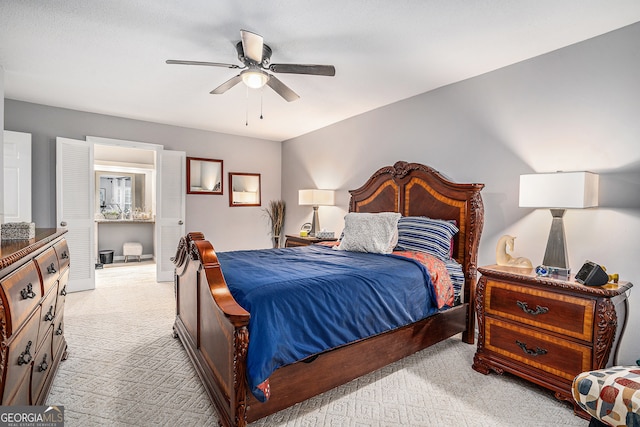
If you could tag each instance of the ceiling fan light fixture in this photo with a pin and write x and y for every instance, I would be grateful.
(254, 78)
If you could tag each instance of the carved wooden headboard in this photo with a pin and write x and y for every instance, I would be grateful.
(414, 189)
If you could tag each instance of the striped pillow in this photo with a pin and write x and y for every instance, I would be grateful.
(433, 236)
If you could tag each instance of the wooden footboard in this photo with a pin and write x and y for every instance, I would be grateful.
(212, 327)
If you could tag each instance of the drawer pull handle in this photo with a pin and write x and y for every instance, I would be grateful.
(63, 292)
(51, 269)
(25, 356)
(49, 316)
(43, 366)
(526, 309)
(27, 292)
(64, 255)
(537, 352)
(59, 330)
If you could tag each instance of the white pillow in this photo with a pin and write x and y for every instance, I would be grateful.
(370, 232)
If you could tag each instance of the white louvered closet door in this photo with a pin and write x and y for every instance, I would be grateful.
(171, 210)
(74, 208)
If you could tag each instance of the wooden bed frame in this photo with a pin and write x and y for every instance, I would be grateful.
(213, 327)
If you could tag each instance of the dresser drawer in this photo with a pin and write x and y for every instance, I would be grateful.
(42, 364)
(559, 357)
(47, 314)
(19, 395)
(62, 252)
(62, 289)
(23, 292)
(20, 358)
(553, 311)
(58, 332)
(47, 263)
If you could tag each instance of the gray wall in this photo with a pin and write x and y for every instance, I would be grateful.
(228, 228)
(112, 235)
(573, 109)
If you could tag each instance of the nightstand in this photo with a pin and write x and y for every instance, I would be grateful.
(546, 330)
(293, 241)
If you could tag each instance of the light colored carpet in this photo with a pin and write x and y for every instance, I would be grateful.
(126, 369)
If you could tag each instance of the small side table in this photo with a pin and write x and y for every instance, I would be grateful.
(293, 241)
(546, 330)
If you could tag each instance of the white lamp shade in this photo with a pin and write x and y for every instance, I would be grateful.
(316, 197)
(562, 190)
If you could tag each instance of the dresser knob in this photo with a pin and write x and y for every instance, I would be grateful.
(49, 316)
(43, 366)
(64, 255)
(28, 292)
(59, 330)
(51, 269)
(526, 309)
(25, 356)
(537, 352)
(63, 292)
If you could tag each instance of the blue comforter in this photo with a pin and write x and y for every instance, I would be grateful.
(309, 299)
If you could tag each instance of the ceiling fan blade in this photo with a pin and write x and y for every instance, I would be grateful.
(282, 89)
(226, 85)
(211, 64)
(317, 70)
(252, 45)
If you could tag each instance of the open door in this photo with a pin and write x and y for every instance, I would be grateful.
(170, 204)
(74, 208)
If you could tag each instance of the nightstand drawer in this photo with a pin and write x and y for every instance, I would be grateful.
(553, 311)
(559, 357)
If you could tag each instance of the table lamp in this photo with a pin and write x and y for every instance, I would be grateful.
(316, 198)
(558, 191)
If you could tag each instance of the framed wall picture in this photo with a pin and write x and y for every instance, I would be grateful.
(204, 176)
(244, 189)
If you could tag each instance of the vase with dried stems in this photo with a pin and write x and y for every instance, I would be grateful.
(275, 212)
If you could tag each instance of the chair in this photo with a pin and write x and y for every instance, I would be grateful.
(611, 396)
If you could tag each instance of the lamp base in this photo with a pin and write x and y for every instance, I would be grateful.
(556, 253)
(315, 223)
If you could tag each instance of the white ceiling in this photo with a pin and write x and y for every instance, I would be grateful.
(109, 57)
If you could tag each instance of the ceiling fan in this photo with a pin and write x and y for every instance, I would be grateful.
(256, 57)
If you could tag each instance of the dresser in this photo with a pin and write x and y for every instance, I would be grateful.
(546, 330)
(33, 278)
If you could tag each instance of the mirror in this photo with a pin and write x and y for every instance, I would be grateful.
(122, 195)
(204, 176)
(244, 189)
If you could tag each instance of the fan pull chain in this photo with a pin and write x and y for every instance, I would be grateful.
(246, 119)
(261, 100)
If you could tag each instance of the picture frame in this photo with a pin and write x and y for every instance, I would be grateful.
(204, 176)
(244, 189)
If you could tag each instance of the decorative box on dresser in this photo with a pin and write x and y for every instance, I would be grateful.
(33, 278)
(546, 330)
